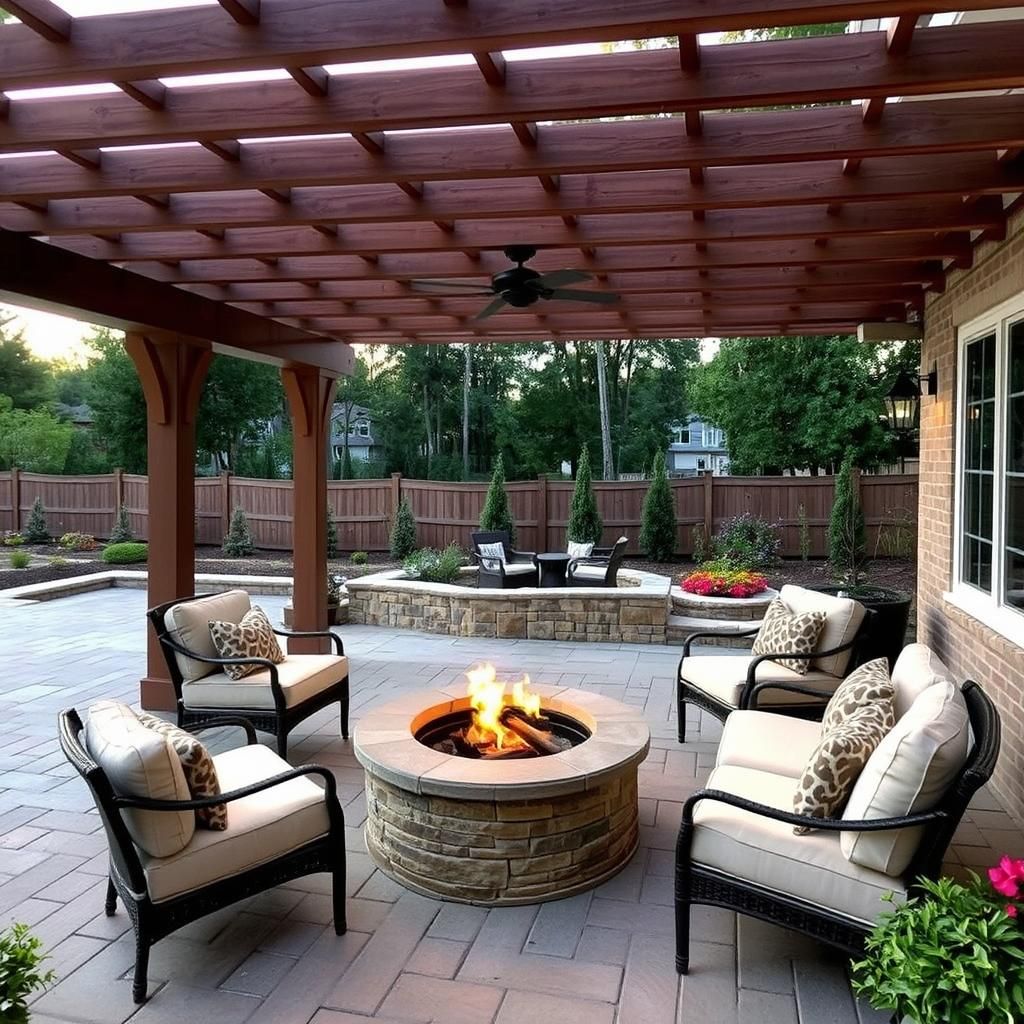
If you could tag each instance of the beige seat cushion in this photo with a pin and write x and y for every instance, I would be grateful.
(767, 742)
(910, 770)
(725, 676)
(590, 573)
(302, 676)
(917, 668)
(843, 617)
(260, 827)
(189, 625)
(756, 849)
(140, 762)
(519, 568)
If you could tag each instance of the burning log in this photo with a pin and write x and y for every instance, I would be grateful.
(542, 740)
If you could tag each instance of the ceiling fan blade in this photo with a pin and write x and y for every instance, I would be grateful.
(429, 282)
(575, 295)
(559, 277)
(491, 309)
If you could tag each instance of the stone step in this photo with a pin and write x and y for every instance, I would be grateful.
(679, 627)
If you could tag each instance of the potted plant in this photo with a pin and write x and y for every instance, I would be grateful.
(952, 955)
(848, 558)
(21, 957)
(335, 592)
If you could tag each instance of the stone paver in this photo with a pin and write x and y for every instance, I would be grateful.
(604, 957)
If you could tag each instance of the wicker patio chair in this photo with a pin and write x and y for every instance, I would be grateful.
(513, 569)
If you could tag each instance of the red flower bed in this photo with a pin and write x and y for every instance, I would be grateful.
(729, 583)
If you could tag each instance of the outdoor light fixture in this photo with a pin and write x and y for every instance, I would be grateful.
(904, 397)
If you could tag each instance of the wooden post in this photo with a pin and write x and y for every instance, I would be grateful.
(15, 499)
(225, 503)
(310, 399)
(542, 512)
(118, 490)
(396, 494)
(172, 372)
(709, 508)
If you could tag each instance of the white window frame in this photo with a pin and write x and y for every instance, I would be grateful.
(990, 609)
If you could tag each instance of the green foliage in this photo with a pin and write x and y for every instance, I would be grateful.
(658, 519)
(20, 559)
(403, 531)
(264, 460)
(699, 541)
(56, 560)
(78, 542)
(125, 554)
(332, 533)
(239, 541)
(359, 558)
(118, 405)
(13, 540)
(433, 566)
(34, 440)
(122, 531)
(830, 28)
(86, 456)
(748, 543)
(897, 534)
(334, 588)
(496, 514)
(21, 973)
(846, 540)
(805, 532)
(35, 531)
(951, 956)
(584, 519)
(23, 376)
(346, 464)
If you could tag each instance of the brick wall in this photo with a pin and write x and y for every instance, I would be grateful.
(965, 643)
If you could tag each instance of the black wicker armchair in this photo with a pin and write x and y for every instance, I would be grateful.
(600, 568)
(155, 916)
(514, 569)
(274, 700)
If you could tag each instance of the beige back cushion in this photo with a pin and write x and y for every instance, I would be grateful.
(843, 617)
(140, 762)
(910, 770)
(917, 668)
(189, 625)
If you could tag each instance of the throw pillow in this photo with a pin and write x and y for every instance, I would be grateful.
(580, 549)
(785, 632)
(253, 637)
(492, 552)
(865, 685)
(837, 761)
(200, 773)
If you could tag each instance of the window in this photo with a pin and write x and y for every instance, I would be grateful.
(693, 434)
(362, 428)
(677, 434)
(989, 558)
(712, 437)
(702, 463)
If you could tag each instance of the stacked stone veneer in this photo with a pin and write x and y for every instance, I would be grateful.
(635, 613)
(503, 852)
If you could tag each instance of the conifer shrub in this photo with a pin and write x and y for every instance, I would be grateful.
(35, 531)
(403, 531)
(658, 529)
(239, 542)
(847, 544)
(496, 514)
(584, 520)
(332, 533)
(122, 531)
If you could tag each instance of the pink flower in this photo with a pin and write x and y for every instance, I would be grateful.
(1011, 910)
(1007, 876)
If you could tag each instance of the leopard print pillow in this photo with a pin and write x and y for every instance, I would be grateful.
(785, 632)
(200, 773)
(837, 761)
(868, 684)
(253, 637)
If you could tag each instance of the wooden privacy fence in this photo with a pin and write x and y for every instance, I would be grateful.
(447, 512)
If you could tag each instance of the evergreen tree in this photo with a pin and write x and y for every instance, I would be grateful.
(35, 530)
(346, 465)
(403, 531)
(332, 533)
(584, 519)
(121, 532)
(847, 545)
(239, 541)
(496, 514)
(658, 529)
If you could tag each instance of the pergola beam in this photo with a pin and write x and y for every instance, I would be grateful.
(43, 17)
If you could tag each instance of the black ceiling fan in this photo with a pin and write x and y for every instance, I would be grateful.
(519, 285)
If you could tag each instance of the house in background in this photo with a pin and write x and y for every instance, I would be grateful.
(362, 442)
(697, 447)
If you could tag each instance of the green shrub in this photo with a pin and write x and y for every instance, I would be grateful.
(239, 542)
(335, 588)
(584, 520)
(496, 514)
(433, 566)
(897, 534)
(121, 532)
(56, 560)
(699, 538)
(20, 559)
(332, 533)
(125, 554)
(359, 558)
(748, 542)
(403, 531)
(658, 518)
(847, 546)
(78, 542)
(21, 957)
(36, 531)
(13, 540)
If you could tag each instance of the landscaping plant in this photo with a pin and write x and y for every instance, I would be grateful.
(77, 542)
(847, 548)
(584, 524)
(13, 540)
(21, 973)
(335, 588)
(496, 514)
(122, 532)
(359, 558)
(125, 554)
(699, 538)
(332, 533)
(953, 955)
(20, 559)
(658, 518)
(433, 566)
(748, 542)
(239, 542)
(403, 531)
(35, 530)
(720, 578)
(805, 532)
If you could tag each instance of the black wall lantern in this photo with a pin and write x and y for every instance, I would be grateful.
(904, 398)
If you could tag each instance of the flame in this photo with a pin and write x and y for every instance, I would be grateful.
(488, 700)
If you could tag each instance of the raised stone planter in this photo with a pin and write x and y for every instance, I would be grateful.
(634, 612)
(724, 616)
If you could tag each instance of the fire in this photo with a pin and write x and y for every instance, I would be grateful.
(488, 700)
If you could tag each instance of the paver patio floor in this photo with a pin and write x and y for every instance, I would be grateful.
(602, 958)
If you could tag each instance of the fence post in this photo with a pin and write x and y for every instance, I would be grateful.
(15, 499)
(225, 502)
(396, 494)
(709, 507)
(118, 490)
(542, 512)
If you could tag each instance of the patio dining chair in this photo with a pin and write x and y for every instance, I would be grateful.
(598, 569)
(500, 564)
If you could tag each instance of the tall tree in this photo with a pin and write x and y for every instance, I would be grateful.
(607, 462)
(32, 439)
(23, 376)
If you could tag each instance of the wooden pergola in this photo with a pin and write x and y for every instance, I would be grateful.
(737, 189)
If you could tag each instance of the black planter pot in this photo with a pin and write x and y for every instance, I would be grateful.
(892, 612)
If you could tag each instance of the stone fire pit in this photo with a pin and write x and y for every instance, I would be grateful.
(501, 832)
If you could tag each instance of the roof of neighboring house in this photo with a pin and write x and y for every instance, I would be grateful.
(80, 414)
